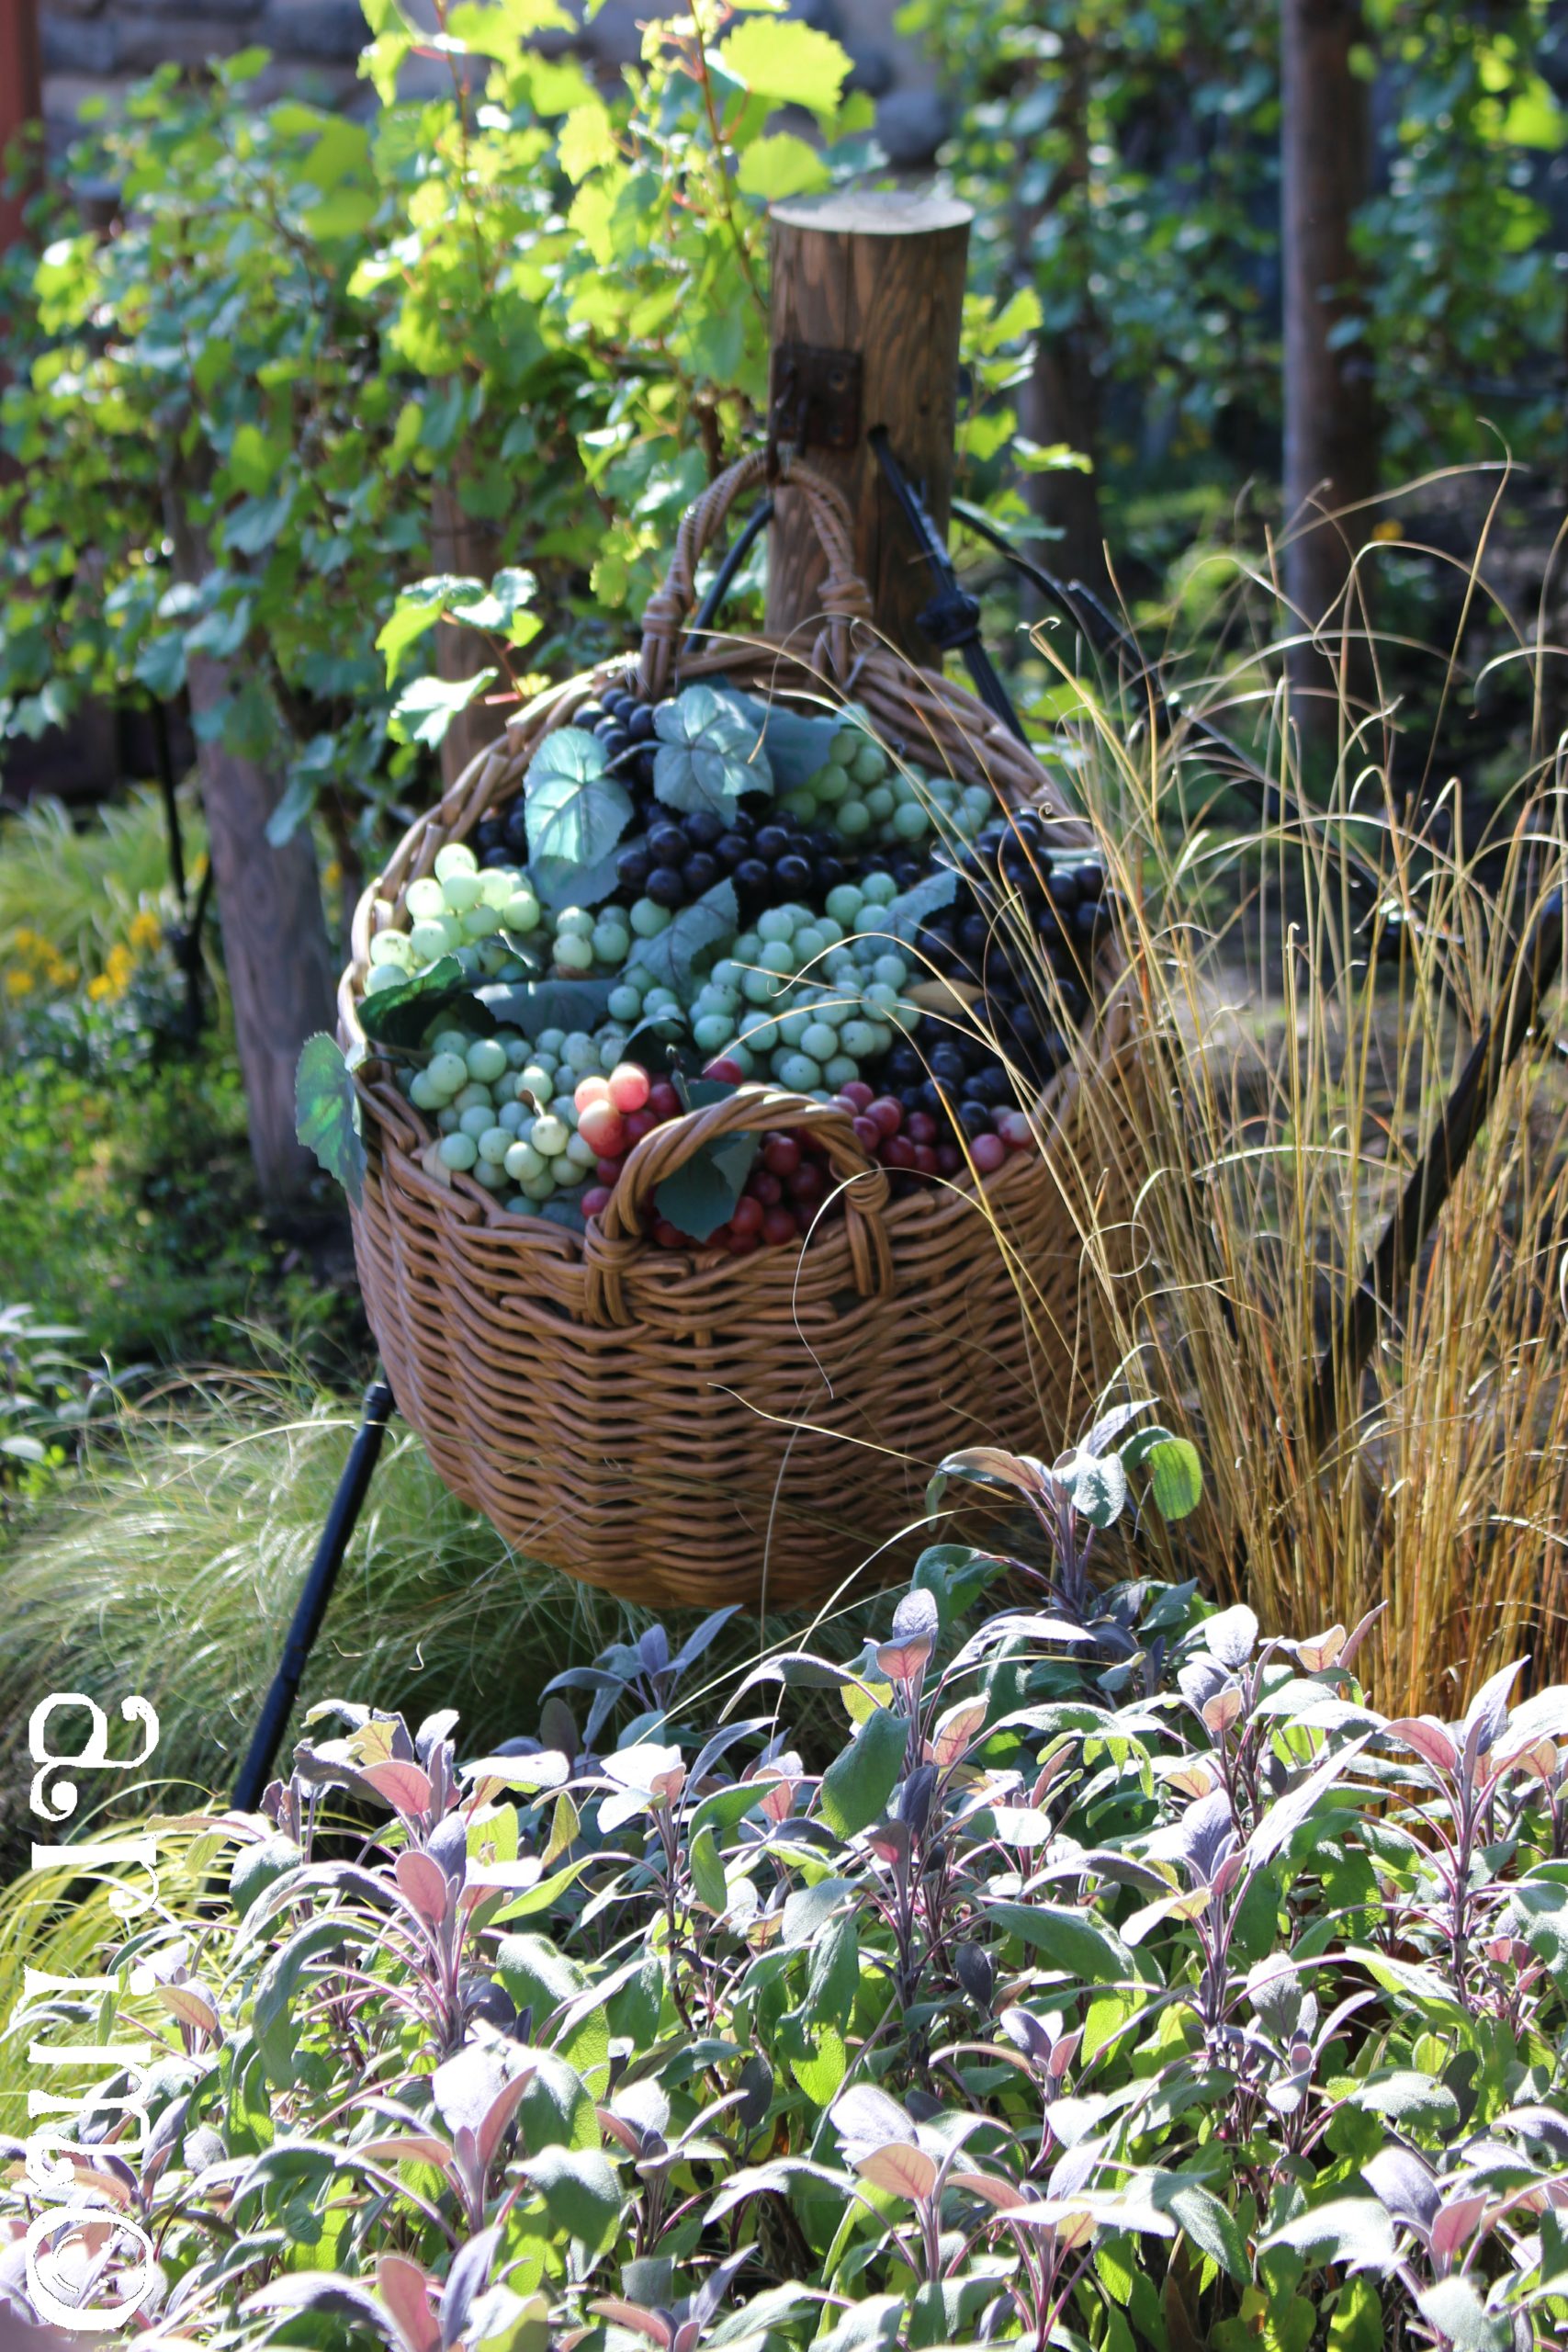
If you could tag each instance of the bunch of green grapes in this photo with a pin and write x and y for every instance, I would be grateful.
(504, 1108)
(871, 800)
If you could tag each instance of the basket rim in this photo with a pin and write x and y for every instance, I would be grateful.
(404, 1133)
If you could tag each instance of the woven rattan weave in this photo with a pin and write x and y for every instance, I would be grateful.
(696, 1428)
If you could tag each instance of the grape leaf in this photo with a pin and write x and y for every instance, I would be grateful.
(792, 64)
(708, 925)
(576, 810)
(533, 1005)
(797, 745)
(904, 915)
(709, 753)
(560, 882)
(425, 710)
(701, 1196)
(327, 1112)
(401, 1016)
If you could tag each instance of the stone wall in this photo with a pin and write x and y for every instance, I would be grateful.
(95, 48)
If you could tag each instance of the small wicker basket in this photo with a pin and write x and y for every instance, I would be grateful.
(692, 1428)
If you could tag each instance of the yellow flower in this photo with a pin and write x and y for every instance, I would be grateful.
(331, 875)
(146, 930)
(18, 982)
(100, 987)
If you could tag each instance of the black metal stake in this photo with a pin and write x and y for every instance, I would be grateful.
(951, 620)
(1431, 1180)
(311, 1608)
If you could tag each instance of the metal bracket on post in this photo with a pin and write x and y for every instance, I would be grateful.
(814, 400)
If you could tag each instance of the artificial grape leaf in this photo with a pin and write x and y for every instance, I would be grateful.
(327, 1112)
(560, 882)
(576, 810)
(904, 915)
(796, 746)
(709, 753)
(700, 1196)
(704, 928)
(533, 1005)
(425, 710)
(401, 1016)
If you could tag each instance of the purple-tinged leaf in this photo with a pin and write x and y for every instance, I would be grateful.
(405, 2291)
(1486, 1718)
(1404, 2186)
(425, 1884)
(1428, 1738)
(327, 2292)
(1352, 2231)
(866, 2115)
(1109, 1426)
(636, 2316)
(1454, 2225)
(904, 2170)
(466, 2279)
(1232, 1636)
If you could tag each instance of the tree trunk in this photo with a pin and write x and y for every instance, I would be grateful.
(20, 100)
(880, 277)
(275, 951)
(462, 546)
(1331, 421)
(1061, 400)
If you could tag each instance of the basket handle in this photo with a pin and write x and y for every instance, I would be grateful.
(844, 594)
(615, 1239)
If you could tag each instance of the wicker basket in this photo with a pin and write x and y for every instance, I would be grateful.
(696, 1428)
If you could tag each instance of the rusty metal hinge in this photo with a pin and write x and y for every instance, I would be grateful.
(814, 398)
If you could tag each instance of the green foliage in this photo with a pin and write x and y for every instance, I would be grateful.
(545, 299)
(1176, 1999)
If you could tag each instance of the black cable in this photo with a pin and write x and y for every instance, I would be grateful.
(951, 620)
(718, 586)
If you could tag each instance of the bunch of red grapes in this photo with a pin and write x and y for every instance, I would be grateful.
(791, 1178)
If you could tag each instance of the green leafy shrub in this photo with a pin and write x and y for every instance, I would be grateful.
(1103, 1981)
(545, 298)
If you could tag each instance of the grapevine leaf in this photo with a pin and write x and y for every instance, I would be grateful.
(327, 1112)
(904, 915)
(533, 1005)
(707, 926)
(796, 746)
(425, 710)
(576, 810)
(709, 753)
(701, 1196)
(401, 1016)
(789, 64)
(560, 882)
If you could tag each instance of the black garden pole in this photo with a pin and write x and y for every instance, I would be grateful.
(312, 1607)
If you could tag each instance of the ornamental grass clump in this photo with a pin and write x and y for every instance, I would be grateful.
(1109, 1977)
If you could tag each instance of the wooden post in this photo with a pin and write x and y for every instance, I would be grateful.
(21, 100)
(879, 275)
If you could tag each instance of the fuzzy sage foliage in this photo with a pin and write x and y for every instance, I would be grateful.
(1109, 1977)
